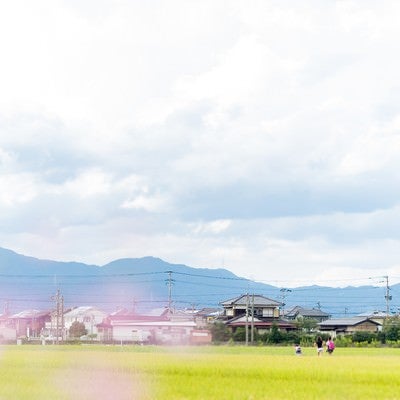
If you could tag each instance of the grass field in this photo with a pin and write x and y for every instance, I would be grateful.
(234, 373)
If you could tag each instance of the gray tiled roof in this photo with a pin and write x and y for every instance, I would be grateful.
(306, 312)
(258, 301)
(351, 321)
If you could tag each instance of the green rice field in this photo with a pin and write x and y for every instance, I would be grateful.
(223, 372)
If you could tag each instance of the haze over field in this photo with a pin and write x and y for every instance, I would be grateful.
(260, 137)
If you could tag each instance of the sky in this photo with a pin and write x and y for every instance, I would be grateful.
(262, 137)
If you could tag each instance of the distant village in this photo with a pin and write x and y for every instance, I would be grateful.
(245, 313)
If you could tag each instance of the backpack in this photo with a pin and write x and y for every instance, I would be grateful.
(331, 345)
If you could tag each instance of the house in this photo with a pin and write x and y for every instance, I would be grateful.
(206, 316)
(161, 328)
(7, 331)
(349, 325)
(29, 323)
(262, 313)
(261, 325)
(129, 328)
(259, 306)
(377, 316)
(88, 315)
(7, 334)
(301, 312)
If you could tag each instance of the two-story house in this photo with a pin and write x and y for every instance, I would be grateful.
(256, 310)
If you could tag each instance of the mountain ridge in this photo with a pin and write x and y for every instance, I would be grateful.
(144, 283)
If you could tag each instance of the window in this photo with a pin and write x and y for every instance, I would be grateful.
(268, 312)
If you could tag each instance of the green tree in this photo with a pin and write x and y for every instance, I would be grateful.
(77, 329)
(306, 324)
(220, 332)
(275, 335)
(239, 335)
(391, 328)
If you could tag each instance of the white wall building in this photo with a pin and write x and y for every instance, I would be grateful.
(90, 316)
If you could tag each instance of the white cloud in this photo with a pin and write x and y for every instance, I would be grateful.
(147, 203)
(6, 158)
(263, 137)
(216, 227)
(17, 189)
(376, 150)
(87, 184)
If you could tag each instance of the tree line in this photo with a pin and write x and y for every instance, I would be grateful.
(306, 333)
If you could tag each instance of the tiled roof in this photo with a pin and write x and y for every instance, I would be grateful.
(158, 311)
(248, 299)
(153, 322)
(374, 314)
(136, 317)
(259, 323)
(209, 311)
(79, 311)
(306, 312)
(30, 314)
(242, 318)
(351, 321)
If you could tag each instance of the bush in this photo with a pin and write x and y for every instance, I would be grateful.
(343, 341)
(363, 337)
(292, 337)
(239, 335)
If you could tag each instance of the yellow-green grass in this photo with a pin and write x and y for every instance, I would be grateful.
(144, 373)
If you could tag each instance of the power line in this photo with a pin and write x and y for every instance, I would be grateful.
(68, 282)
(134, 274)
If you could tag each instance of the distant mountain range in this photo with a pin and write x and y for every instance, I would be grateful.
(147, 283)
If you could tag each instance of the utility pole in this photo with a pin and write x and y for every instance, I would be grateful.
(62, 318)
(134, 306)
(169, 282)
(6, 308)
(284, 292)
(59, 314)
(252, 319)
(388, 296)
(247, 319)
(193, 308)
